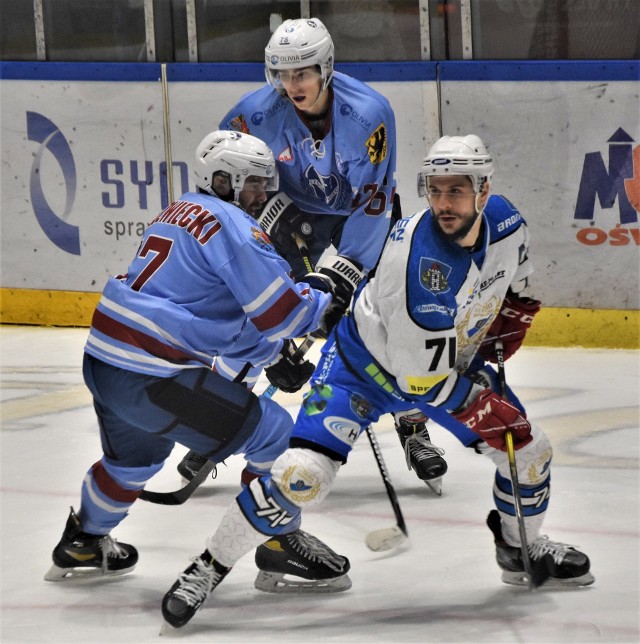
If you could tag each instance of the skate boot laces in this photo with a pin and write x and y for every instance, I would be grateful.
(315, 550)
(420, 447)
(196, 583)
(110, 548)
(543, 546)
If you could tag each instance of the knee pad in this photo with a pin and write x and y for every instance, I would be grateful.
(533, 460)
(304, 476)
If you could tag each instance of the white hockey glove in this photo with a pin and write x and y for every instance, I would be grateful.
(281, 219)
(341, 277)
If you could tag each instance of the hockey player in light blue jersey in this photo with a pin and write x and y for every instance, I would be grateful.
(205, 283)
(449, 283)
(334, 141)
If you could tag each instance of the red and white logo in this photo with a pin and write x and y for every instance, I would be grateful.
(286, 154)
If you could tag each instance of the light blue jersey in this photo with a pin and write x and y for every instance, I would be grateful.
(205, 282)
(350, 173)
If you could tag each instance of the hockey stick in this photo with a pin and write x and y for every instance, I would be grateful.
(539, 573)
(386, 538)
(178, 497)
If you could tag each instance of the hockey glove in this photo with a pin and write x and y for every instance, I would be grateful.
(291, 371)
(490, 416)
(281, 219)
(510, 326)
(340, 276)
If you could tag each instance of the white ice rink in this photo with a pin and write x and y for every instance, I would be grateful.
(443, 586)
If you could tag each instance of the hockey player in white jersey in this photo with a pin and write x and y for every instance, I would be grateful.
(205, 282)
(449, 283)
(334, 140)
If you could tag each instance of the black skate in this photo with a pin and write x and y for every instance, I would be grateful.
(565, 565)
(422, 455)
(80, 554)
(191, 589)
(300, 554)
(190, 465)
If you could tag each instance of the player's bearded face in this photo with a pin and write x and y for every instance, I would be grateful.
(253, 195)
(453, 206)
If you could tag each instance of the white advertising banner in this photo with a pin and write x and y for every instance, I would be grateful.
(565, 138)
(84, 170)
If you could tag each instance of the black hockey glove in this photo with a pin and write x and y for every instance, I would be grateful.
(341, 276)
(281, 219)
(290, 372)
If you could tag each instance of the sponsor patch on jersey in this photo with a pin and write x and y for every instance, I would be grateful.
(377, 145)
(343, 429)
(435, 308)
(239, 124)
(286, 154)
(359, 406)
(361, 120)
(434, 275)
(302, 486)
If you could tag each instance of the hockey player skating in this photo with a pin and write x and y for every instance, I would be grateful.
(205, 282)
(449, 278)
(335, 145)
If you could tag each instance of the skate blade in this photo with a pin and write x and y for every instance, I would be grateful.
(167, 630)
(435, 485)
(521, 579)
(55, 573)
(277, 582)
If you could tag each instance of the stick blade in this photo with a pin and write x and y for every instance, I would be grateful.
(385, 539)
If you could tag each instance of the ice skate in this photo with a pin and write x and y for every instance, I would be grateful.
(423, 457)
(80, 554)
(190, 465)
(191, 589)
(315, 567)
(566, 565)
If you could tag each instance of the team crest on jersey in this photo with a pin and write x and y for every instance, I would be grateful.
(359, 406)
(286, 154)
(434, 275)
(239, 124)
(377, 145)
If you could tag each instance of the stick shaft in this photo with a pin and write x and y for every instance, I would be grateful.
(513, 470)
(391, 493)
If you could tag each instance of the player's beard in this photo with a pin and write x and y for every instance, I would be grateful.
(462, 232)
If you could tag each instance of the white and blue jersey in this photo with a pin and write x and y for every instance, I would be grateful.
(414, 329)
(224, 292)
(350, 173)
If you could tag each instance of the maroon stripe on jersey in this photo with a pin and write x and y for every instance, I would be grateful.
(110, 488)
(123, 333)
(276, 314)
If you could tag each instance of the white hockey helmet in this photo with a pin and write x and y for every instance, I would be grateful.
(304, 42)
(236, 154)
(454, 155)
